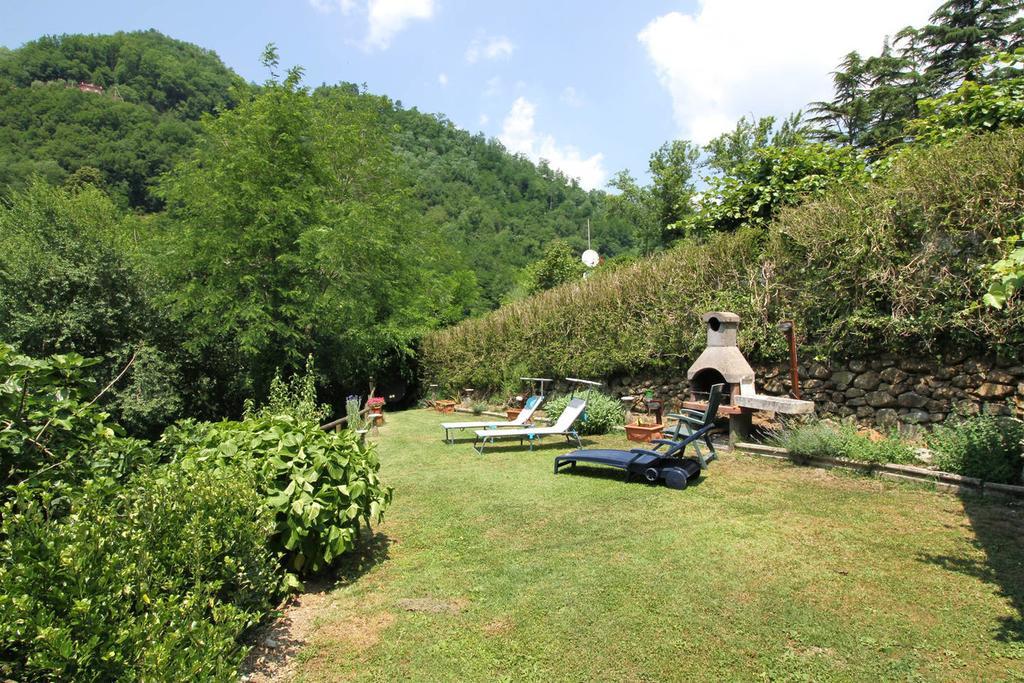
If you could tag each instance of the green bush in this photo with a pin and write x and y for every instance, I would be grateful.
(986, 446)
(153, 580)
(602, 414)
(320, 486)
(52, 435)
(831, 440)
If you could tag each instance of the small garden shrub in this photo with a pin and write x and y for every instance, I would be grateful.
(985, 446)
(321, 486)
(831, 440)
(153, 580)
(602, 414)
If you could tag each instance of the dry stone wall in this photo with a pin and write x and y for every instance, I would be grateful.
(882, 392)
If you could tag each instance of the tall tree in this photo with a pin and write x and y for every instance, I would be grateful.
(963, 31)
(672, 167)
(846, 117)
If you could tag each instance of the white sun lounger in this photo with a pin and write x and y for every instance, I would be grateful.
(563, 427)
(522, 420)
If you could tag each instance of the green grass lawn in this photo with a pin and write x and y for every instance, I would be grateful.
(762, 570)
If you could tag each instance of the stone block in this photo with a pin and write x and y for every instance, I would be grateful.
(967, 407)
(864, 412)
(977, 366)
(855, 402)
(854, 392)
(961, 381)
(937, 418)
(1000, 377)
(993, 390)
(818, 371)
(893, 375)
(858, 365)
(842, 379)
(867, 381)
(912, 400)
(880, 399)
(886, 417)
(915, 417)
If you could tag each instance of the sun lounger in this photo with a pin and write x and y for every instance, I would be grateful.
(563, 427)
(522, 420)
(669, 465)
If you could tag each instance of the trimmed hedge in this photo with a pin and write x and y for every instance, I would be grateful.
(891, 266)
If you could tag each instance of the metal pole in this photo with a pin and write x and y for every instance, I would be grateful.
(794, 371)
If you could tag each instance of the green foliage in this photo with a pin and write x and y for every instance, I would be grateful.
(52, 435)
(603, 412)
(776, 177)
(69, 283)
(821, 439)
(973, 107)
(320, 486)
(295, 397)
(494, 213)
(478, 407)
(558, 266)
(905, 250)
(985, 446)
(156, 88)
(143, 67)
(1007, 274)
(315, 249)
(153, 580)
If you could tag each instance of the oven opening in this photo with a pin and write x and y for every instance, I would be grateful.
(700, 385)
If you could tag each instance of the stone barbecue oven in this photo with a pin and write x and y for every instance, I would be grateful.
(721, 362)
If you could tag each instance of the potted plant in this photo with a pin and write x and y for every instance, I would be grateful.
(645, 423)
(376, 406)
(514, 407)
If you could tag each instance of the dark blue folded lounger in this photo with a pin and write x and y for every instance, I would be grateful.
(670, 465)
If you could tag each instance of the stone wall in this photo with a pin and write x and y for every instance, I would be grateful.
(881, 392)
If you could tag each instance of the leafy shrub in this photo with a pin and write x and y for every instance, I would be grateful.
(820, 439)
(295, 396)
(320, 486)
(51, 435)
(153, 580)
(602, 414)
(985, 446)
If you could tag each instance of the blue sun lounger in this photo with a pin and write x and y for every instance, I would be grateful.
(670, 465)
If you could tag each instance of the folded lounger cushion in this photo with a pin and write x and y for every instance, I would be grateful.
(522, 419)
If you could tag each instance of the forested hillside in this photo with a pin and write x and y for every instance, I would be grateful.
(139, 210)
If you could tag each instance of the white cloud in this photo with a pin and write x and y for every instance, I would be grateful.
(489, 48)
(571, 97)
(388, 17)
(737, 57)
(442, 78)
(328, 6)
(520, 136)
(484, 119)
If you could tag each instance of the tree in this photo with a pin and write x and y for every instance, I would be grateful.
(559, 265)
(672, 167)
(739, 146)
(963, 31)
(637, 206)
(293, 236)
(844, 119)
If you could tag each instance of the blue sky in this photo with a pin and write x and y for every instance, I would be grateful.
(594, 86)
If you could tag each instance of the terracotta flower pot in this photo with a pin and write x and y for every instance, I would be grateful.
(643, 433)
(512, 413)
(444, 406)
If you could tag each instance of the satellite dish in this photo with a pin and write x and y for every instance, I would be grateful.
(590, 258)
